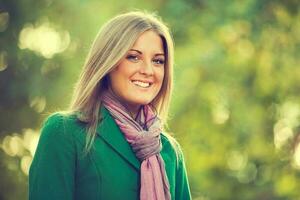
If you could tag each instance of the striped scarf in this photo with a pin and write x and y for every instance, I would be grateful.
(143, 134)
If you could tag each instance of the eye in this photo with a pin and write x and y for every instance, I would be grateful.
(159, 61)
(133, 58)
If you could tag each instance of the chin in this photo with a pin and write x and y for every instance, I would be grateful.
(142, 101)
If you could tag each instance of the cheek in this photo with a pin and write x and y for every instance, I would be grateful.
(118, 74)
(160, 75)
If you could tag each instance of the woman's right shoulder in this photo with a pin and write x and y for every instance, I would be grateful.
(60, 123)
(53, 120)
(57, 119)
(55, 140)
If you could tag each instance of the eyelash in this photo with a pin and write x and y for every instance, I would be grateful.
(159, 61)
(132, 58)
(135, 58)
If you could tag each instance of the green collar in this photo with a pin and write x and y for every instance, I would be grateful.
(109, 131)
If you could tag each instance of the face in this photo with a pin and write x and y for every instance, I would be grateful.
(139, 76)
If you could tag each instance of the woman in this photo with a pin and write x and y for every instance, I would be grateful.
(110, 144)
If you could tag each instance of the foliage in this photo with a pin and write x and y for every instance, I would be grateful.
(236, 104)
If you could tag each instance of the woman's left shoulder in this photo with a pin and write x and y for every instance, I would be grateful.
(169, 143)
(168, 139)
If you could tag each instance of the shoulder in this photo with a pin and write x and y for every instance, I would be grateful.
(60, 121)
(52, 125)
(171, 144)
(56, 149)
(170, 141)
(58, 125)
(53, 121)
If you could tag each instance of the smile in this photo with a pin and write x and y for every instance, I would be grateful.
(142, 84)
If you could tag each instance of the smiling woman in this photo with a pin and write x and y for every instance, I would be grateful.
(110, 144)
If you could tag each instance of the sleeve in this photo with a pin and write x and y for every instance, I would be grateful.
(182, 189)
(51, 174)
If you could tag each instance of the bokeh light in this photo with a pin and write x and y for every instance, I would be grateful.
(44, 39)
(235, 108)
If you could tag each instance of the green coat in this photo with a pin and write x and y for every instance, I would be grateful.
(111, 171)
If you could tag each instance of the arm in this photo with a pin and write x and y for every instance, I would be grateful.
(51, 174)
(182, 190)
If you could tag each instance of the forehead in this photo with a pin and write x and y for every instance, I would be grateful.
(149, 41)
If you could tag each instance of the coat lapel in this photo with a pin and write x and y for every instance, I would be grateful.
(109, 131)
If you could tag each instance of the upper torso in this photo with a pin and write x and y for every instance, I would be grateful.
(60, 169)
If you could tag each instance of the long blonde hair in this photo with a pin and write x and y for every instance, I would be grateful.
(112, 43)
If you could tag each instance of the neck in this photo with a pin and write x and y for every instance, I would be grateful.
(132, 109)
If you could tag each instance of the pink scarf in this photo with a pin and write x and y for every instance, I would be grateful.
(143, 134)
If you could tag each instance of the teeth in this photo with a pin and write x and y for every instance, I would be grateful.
(141, 84)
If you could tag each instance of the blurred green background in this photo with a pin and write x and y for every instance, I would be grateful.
(236, 105)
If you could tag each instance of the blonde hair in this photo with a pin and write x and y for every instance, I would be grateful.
(112, 43)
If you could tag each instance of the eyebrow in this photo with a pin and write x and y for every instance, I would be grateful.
(157, 54)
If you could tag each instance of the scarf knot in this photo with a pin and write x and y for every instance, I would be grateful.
(147, 144)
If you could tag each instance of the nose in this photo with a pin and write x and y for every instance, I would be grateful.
(147, 68)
